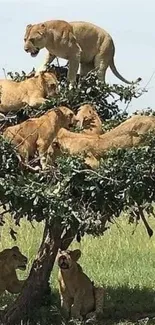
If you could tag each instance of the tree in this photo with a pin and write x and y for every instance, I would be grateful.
(72, 199)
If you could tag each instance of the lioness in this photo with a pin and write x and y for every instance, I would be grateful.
(78, 295)
(38, 133)
(58, 38)
(10, 260)
(135, 126)
(32, 91)
(95, 43)
(88, 119)
(93, 147)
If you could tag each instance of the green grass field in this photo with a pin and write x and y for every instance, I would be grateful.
(123, 262)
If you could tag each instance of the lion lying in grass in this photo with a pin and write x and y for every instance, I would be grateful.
(88, 119)
(37, 134)
(10, 260)
(79, 296)
(32, 91)
(93, 147)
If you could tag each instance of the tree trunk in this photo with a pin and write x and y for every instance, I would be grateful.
(37, 283)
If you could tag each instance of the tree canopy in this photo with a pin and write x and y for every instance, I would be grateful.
(70, 194)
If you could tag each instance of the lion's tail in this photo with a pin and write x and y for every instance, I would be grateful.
(118, 75)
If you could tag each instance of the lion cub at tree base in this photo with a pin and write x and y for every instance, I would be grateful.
(37, 134)
(32, 91)
(88, 119)
(10, 260)
(78, 295)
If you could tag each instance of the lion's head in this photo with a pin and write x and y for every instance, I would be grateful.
(69, 116)
(85, 115)
(49, 82)
(35, 38)
(67, 259)
(13, 258)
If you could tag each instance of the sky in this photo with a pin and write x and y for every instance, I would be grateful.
(129, 22)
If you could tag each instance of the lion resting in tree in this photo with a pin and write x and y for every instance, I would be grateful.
(37, 134)
(94, 147)
(32, 91)
(79, 296)
(77, 42)
(88, 119)
(11, 259)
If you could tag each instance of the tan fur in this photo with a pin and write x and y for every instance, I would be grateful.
(134, 126)
(77, 144)
(10, 260)
(88, 119)
(58, 38)
(38, 133)
(94, 147)
(77, 291)
(32, 91)
(97, 46)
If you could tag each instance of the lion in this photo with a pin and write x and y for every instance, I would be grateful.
(79, 296)
(58, 38)
(135, 125)
(37, 134)
(11, 259)
(95, 48)
(94, 147)
(33, 91)
(88, 119)
(75, 144)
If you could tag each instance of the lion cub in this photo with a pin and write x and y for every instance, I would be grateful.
(32, 91)
(10, 260)
(78, 295)
(37, 134)
(88, 119)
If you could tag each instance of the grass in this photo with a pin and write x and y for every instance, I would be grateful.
(123, 262)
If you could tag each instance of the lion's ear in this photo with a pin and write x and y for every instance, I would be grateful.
(75, 255)
(15, 248)
(42, 73)
(28, 27)
(39, 74)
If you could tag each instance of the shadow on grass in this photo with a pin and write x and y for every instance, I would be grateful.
(122, 304)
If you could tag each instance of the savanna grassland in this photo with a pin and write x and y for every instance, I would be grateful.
(122, 260)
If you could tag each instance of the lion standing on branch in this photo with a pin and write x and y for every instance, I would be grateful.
(58, 38)
(78, 42)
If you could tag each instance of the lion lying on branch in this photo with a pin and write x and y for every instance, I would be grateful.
(33, 91)
(93, 147)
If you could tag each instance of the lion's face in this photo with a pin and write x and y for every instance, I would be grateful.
(54, 151)
(34, 39)
(85, 114)
(50, 83)
(69, 116)
(14, 258)
(67, 259)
